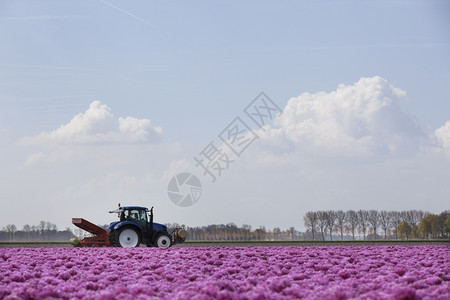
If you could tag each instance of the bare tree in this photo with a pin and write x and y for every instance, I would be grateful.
(247, 231)
(276, 233)
(27, 230)
(291, 232)
(310, 219)
(79, 233)
(352, 221)
(330, 220)
(340, 222)
(11, 229)
(385, 220)
(373, 219)
(408, 216)
(395, 218)
(34, 232)
(41, 227)
(418, 215)
(261, 233)
(322, 222)
(363, 216)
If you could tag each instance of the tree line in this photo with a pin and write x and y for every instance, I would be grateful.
(48, 232)
(373, 224)
(45, 231)
(231, 232)
(320, 226)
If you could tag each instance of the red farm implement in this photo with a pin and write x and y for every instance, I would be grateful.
(100, 238)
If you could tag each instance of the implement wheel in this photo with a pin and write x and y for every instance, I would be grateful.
(163, 241)
(128, 237)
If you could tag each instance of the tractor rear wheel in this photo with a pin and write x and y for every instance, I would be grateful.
(128, 237)
(163, 240)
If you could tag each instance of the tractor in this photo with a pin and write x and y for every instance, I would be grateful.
(135, 226)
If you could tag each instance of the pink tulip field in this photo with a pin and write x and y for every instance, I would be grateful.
(312, 272)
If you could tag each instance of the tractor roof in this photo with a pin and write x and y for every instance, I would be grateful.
(122, 208)
(135, 207)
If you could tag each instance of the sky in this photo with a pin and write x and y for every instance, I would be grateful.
(104, 102)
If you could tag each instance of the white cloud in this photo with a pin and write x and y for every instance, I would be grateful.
(33, 159)
(139, 130)
(443, 136)
(363, 119)
(97, 125)
(113, 182)
(176, 167)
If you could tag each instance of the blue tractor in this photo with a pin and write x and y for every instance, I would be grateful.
(136, 226)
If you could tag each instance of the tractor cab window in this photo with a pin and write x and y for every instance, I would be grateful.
(129, 215)
(138, 215)
(134, 215)
(143, 215)
(125, 215)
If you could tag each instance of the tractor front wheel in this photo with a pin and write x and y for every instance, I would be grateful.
(128, 237)
(163, 241)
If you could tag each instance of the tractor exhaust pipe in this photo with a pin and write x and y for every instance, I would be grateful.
(151, 219)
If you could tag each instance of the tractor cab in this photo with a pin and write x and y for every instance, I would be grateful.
(134, 214)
